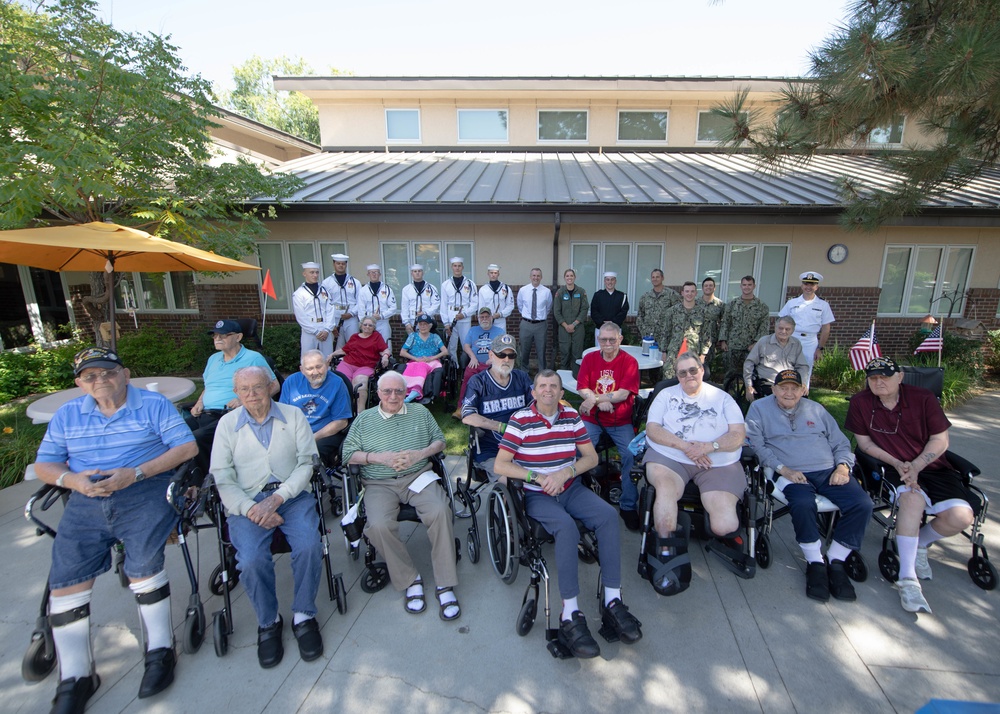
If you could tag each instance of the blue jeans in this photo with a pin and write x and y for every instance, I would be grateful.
(621, 435)
(256, 565)
(854, 504)
(556, 514)
(138, 515)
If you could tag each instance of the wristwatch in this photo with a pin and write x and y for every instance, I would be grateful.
(778, 468)
(715, 446)
(139, 475)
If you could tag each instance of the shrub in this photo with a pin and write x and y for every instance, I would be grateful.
(152, 351)
(993, 360)
(282, 343)
(41, 370)
(19, 440)
(833, 370)
(959, 382)
(957, 351)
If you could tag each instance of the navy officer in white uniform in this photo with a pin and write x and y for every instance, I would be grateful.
(344, 290)
(812, 316)
(378, 302)
(314, 312)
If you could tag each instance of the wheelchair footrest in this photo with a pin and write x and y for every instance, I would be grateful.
(556, 648)
(735, 560)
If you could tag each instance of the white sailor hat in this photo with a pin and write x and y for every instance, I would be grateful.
(457, 260)
(611, 274)
(340, 257)
(493, 266)
(810, 276)
(416, 266)
(374, 266)
(311, 265)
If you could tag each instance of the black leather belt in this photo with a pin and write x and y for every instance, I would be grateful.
(271, 487)
(533, 322)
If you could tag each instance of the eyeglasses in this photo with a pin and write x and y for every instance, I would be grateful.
(392, 392)
(682, 373)
(895, 428)
(607, 340)
(255, 389)
(103, 374)
(506, 355)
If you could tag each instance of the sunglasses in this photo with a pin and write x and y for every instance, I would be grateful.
(682, 373)
(506, 355)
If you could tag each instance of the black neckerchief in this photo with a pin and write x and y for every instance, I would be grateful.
(419, 287)
(313, 288)
(495, 284)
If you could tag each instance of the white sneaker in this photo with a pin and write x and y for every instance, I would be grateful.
(922, 566)
(911, 597)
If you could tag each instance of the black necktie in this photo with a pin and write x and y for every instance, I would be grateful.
(534, 303)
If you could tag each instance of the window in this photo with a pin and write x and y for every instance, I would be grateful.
(727, 263)
(567, 125)
(925, 279)
(891, 133)
(632, 261)
(397, 257)
(402, 125)
(285, 260)
(642, 127)
(157, 292)
(482, 125)
(712, 128)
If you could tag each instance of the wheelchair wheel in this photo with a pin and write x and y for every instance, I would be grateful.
(36, 664)
(857, 568)
(216, 583)
(340, 593)
(587, 548)
(375, 578)
(194, 630)
(501, 535)
(473, 545)
(735, 387)
(888, 565)
(762, 552)
(467, 510)
(220, 633)
(982, 572)
(526, 617)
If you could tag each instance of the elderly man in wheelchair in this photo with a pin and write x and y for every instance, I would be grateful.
(798, 440)
(393, 445)
(540, 447)
(904, 427)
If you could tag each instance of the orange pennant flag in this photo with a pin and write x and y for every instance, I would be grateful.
(268, 287)
(684, 347)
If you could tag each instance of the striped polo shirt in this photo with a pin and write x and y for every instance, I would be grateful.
(544, 446)
(412, 427)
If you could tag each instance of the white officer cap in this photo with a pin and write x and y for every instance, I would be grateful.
(810, 276)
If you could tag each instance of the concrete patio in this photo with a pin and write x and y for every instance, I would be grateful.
(724, 645)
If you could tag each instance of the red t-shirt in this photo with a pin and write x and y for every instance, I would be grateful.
(364, 352)
(604, 377)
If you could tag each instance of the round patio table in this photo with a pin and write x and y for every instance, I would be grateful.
(42, 410)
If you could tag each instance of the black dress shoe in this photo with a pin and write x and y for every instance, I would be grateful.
(72, 694)
(631, 519)
(817, 582)
(840, 585)
(159, 672)
(269, 647)
(624, 623)
(575, 636)
(309, 639)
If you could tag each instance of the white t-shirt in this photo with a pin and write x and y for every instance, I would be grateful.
(703, 417)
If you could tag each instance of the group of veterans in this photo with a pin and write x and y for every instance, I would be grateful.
(116, 447)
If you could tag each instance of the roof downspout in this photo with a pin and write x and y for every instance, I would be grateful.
(555, 249)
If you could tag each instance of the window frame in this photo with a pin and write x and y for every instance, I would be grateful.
(697, 129)
(902, 132)
(135, 281)
(722, 284)
(538, 127)
(293, 275)
(420, 133)
(642, 142)
(636, 278)
(446, 250)
(936, 307)
(458, 125)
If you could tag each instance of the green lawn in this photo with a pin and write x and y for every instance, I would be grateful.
(19, 440)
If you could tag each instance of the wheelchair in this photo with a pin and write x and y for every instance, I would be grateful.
(376, 575)
(873, 476)
(775, 505)
(191, 503)
(515, 539)
(40, 658)
(371, 395)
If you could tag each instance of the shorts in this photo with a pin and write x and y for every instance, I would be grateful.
(139, 516)
(350, 371)
(730, 478)
(942, 490)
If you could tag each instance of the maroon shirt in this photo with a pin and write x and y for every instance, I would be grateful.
(904, 430)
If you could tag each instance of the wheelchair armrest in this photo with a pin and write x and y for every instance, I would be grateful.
(968, 469)
(354, 469)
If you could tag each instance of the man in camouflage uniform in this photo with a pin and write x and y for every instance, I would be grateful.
(745, 321)
(685, 321)
(569, 307)
(653, 308)
(714, 308)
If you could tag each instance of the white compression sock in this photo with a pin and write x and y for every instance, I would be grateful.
(155, 616)
(610, 594)
(812, 552)
(569, 607)
(837, 551)
(928, 535)
(72, 640)
(907, 556)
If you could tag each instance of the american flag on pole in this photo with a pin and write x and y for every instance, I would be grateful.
(865, 350)
(933, 343)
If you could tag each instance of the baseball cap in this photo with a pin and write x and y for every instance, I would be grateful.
(886, 366)
(503, 342)
(425, 318)
(224, 327)
(95, 357)
(788, 375)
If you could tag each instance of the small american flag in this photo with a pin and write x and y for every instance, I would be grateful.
(865, 350)
(933, 343)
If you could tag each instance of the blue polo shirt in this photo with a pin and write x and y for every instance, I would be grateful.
(145, 427)
(218, 376)
(321, 406)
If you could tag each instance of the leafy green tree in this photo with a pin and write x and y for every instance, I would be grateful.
(936, 62)
(255, 97)
(98, 124)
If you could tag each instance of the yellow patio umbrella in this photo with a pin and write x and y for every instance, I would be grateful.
(89, 247)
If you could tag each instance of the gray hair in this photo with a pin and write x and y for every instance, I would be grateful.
(688, 355)
(249, 372)
(787, 319)
(612, 326)
(391, 375)
(311, 353)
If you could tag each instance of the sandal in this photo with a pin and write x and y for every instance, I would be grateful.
(451, 602)
(415, 595)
